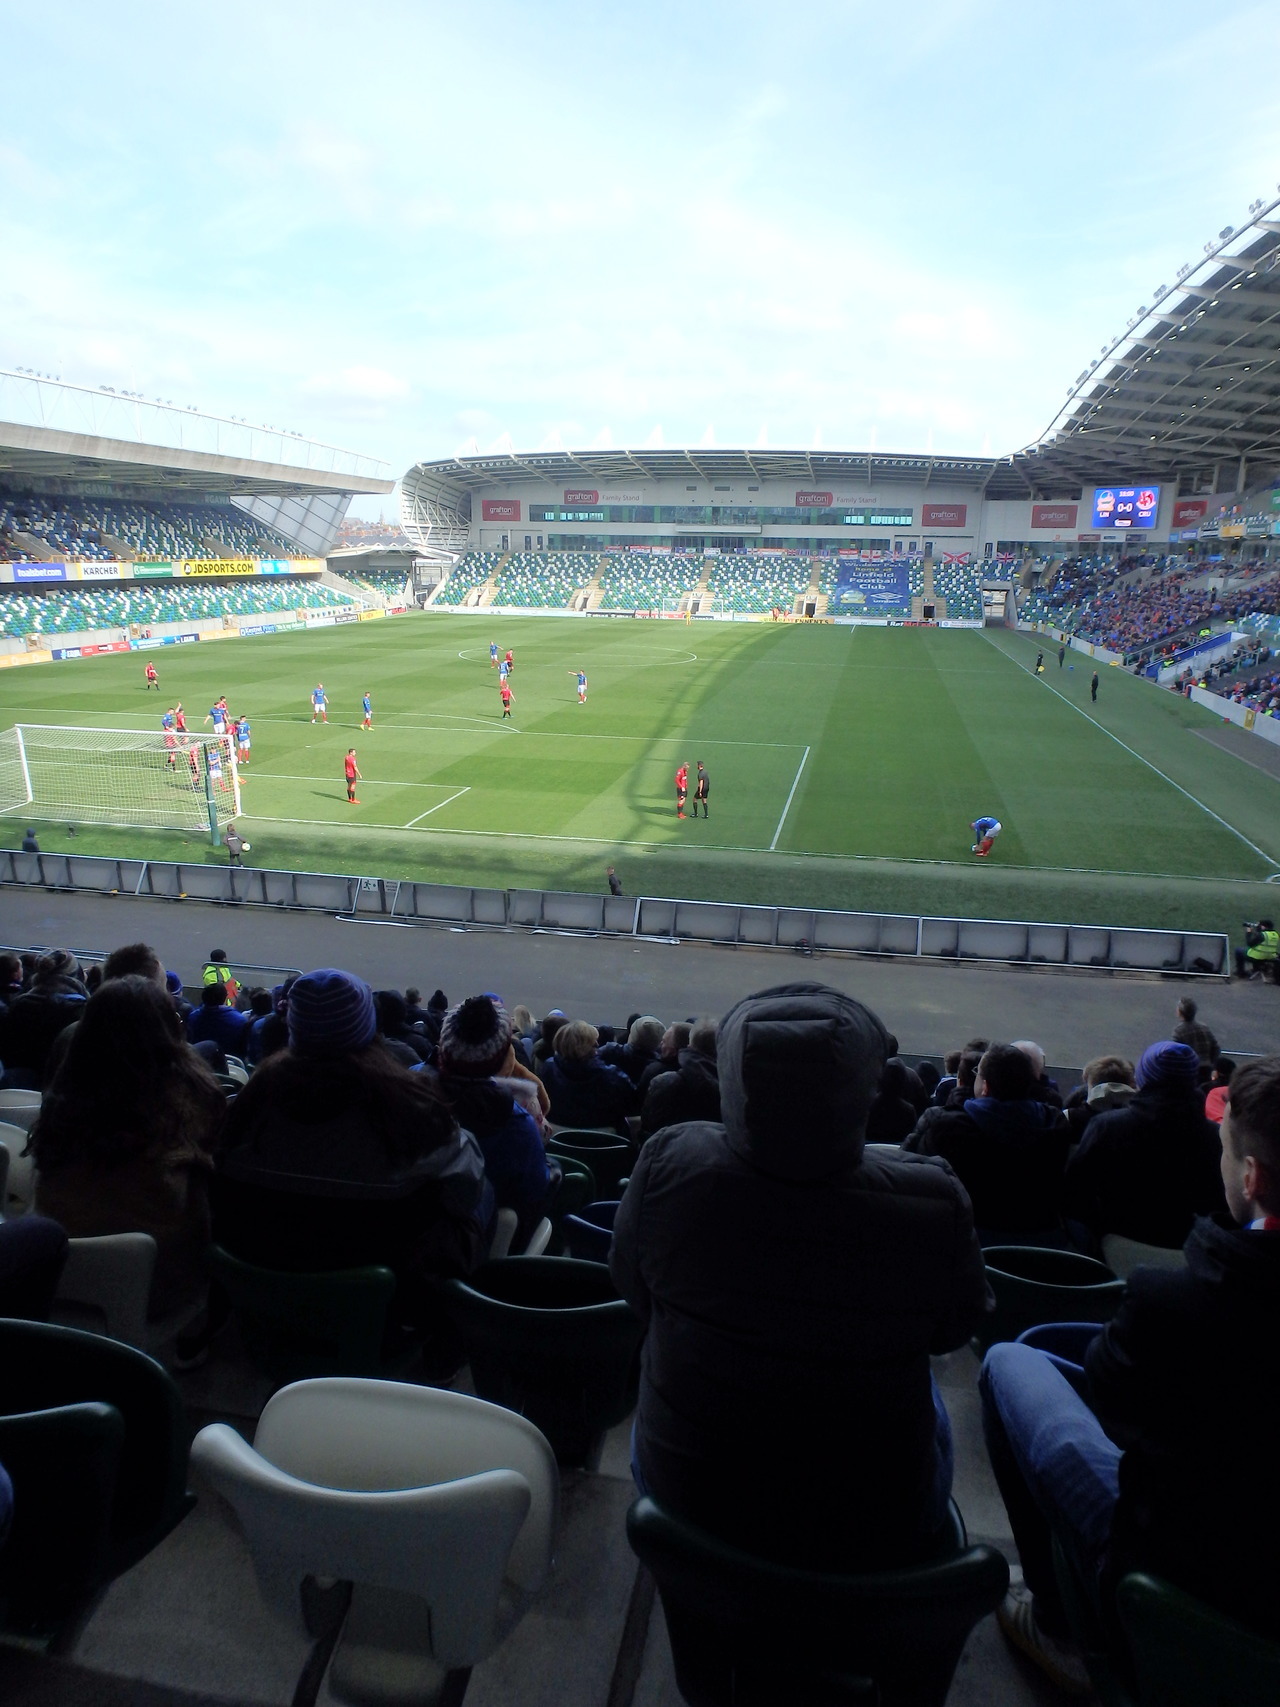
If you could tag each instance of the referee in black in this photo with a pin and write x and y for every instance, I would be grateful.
(701, 790)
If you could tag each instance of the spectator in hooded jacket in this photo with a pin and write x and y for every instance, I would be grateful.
(794, 1285)
(1007, 1146)
(1146, 1171)
(30, 1024)
(476, 1081)
(583, 1090)
(692, 1091)
(407, 1045)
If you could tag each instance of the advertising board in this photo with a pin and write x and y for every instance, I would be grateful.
(218, 566)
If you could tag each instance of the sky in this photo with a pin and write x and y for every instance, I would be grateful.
(406, 228)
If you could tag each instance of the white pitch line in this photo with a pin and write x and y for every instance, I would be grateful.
(281, 776)
(436, 807)
(1163, 775)
(781, 821)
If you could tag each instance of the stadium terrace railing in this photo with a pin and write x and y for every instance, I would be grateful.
(806, 930)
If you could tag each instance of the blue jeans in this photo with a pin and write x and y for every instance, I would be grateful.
(1056, 1468)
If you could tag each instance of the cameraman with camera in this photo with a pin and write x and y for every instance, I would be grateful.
(1262, 948)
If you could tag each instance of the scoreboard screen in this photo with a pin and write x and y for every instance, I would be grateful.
(1125, 506)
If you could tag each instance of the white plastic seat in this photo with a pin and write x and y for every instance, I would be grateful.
(504, 1231)
(20, 1185)
(438, 1508)
(19, 1108)
(106, 1285)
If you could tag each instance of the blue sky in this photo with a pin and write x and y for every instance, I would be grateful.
(400, 227)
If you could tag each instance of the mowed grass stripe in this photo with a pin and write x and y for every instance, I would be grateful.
(913, 733)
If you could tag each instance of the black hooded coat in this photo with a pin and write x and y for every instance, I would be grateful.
(794, 1283)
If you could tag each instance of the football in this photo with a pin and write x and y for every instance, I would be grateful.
(246, 847)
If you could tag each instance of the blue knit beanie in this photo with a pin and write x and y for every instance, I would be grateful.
(1171, 1065)
(330, 1011)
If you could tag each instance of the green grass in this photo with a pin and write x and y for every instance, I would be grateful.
(885, 743)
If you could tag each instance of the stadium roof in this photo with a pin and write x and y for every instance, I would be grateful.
(49, 429)
(1192, 383)
(1188, 393)
(617, 467)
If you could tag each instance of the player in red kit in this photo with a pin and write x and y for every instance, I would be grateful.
(353, 775)
(153, 680)
(682, 789)
(507, 696)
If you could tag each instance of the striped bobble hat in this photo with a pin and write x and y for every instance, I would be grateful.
(475, 1037)
(330, 1011)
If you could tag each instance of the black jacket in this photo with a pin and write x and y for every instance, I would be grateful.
(1147, 1170)
(794, 1285)
(1009, 1156)
(692, 1092)
(1184, 1381)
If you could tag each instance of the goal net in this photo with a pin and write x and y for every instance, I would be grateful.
(130, 777)
(691, 604)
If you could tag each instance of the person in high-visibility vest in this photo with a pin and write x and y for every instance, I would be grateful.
(216, 971)
(1262, 949)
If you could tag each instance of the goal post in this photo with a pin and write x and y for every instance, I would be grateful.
(690, 605)
(138, 779)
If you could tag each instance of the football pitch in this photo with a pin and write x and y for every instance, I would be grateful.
(846, 765)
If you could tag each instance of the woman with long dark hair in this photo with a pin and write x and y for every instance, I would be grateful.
(124, 1139)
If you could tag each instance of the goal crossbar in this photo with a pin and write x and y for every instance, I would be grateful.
(143, 779)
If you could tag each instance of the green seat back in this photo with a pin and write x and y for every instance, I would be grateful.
(549, 1337)
(1034, 1285)
(1185, 1654)
(609, 1157)
(747, 1631)
(300, 1325)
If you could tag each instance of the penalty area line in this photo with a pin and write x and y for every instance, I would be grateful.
(436, 807)
(795, 784)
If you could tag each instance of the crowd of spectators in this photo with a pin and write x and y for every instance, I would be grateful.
(99, 528)
(802, 1229)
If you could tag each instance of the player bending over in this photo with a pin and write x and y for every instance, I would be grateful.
(353, 776)
(986, 830)
(582, 685)
(319, 703)
(367, 703)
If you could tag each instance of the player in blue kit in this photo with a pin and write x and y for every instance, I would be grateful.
(986, 830)
(493, 652)
(319, 703)
(243, 737)
(581, 677)
(367, 703)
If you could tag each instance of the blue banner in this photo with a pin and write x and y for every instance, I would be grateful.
(869, 587)
(39, 572)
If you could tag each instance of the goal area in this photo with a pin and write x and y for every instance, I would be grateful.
(128, 777)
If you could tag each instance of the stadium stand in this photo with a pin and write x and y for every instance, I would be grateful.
(76, 526)
(65, 612)
(544, 580)
(643, 580)
(471, 571)
(389, 582)
(960, 584)
(751, 583)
